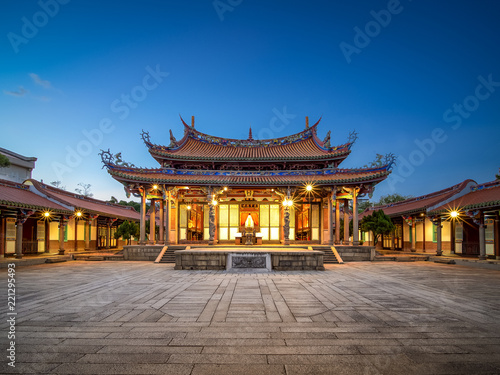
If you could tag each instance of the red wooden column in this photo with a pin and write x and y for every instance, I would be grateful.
(168, 218)
(423, 234)
(346, 222)
(337, 222)
(496, 235)
(330, 220)
(162, 222)
(2, 237)
(482, 238)
(47, 236)
(152, 222)
(355, 222)
(142, 240)
(413, 230)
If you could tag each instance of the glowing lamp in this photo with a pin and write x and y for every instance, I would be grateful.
(155, 187)
(225, 188)
(79, 214)
(214, 202)
(454, 214)
(309, 187)
(46, 214)
(188, 207)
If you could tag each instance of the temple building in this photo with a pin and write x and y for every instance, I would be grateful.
(215, 190)
(461, 219)
(36, 218)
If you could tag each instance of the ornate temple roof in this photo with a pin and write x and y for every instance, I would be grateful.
(166, 176)
(198, 146)
(200, 160)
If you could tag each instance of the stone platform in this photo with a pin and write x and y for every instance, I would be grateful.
(281, 259)
(368, 318)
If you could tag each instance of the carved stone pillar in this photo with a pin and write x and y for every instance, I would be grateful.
(62, 224)
(439, 250)
(211, 223)
(286, 226)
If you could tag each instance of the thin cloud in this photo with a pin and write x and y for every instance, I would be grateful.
(21, 92)
(36, 78)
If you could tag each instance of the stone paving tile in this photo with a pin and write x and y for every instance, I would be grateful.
(356, 318)
(218, 369)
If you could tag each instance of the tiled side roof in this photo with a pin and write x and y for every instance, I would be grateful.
(418, 204)
(235, 178)
(482, 196)
(87, 204)
(19, 196)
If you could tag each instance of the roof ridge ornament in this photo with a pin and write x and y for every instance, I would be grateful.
(326, 141)
(107, 158)
(119, 161)
(250, 138)
(173, 141)
(145, 137)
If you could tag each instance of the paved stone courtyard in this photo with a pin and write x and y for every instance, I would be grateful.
(358, 318)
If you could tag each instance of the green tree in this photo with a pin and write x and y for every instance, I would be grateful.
(58, 184)
(84, 190)
(4, 161)
(391, 198)
(127, 230)
(135, 205)
(351, 226)
(378, 223)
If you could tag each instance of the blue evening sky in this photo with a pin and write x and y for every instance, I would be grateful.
(420, 79)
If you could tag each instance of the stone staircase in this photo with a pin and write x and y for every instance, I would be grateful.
(329, 257)
(169, 256)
